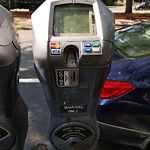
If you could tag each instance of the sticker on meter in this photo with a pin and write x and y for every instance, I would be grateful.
(55, 51)
(55, 48)
(66, 78)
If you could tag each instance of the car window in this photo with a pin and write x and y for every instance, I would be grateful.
(134, 41)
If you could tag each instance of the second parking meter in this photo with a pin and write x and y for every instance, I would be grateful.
(73, 41)
(13, 111)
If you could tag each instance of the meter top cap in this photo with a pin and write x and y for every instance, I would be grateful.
(9, 45)
(72, 18)
(84, 24)
(82, 18)
(7, 30)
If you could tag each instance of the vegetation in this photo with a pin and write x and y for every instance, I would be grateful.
(119, 3)
(8, 4)
(114, 2)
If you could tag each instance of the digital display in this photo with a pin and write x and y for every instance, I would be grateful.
(74, 20)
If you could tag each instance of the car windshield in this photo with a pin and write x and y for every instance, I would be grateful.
(134, 41)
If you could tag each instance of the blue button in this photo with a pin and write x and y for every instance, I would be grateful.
(87, 50)
(87, 44)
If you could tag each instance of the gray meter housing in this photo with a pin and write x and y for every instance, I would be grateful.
(73, 42)
(13, 111)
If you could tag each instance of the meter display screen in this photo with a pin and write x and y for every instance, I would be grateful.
(74, 20)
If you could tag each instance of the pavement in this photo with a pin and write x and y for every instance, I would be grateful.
(32, 94)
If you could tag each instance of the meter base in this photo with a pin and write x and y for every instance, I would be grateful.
(74, 135)
(14, 127)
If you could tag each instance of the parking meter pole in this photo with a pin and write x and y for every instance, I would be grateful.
(72, 49)
(13, 111)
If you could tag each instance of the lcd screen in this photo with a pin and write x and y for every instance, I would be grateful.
(74, 20)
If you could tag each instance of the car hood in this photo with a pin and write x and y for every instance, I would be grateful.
(135, 71)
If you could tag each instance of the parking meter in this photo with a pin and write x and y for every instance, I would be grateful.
(13, 111)
(73, 41)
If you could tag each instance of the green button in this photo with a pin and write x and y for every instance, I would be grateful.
(96, 44)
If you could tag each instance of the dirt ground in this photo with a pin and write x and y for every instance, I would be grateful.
(120, 23)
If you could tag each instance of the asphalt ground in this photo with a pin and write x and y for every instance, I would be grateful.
(32, 93)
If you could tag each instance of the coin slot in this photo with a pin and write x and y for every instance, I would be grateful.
(74, 77)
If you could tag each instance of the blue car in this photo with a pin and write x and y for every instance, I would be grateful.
(124, 108)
